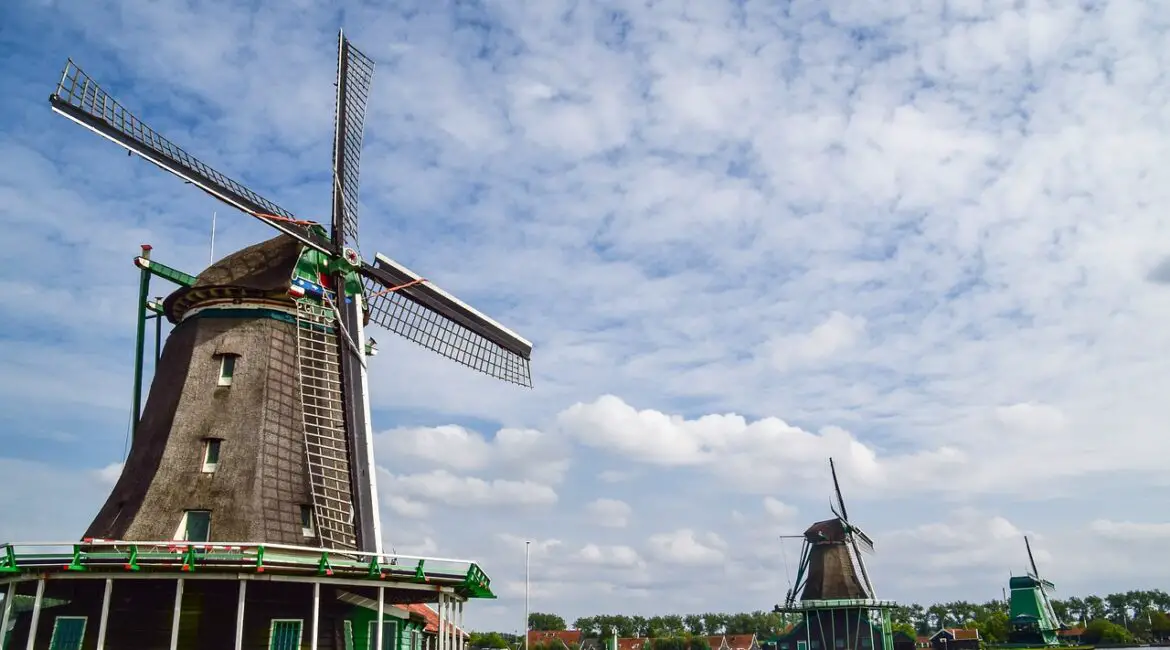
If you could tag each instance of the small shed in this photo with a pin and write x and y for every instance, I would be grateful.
(955, 638)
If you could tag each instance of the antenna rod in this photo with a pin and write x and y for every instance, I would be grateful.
(212, 260)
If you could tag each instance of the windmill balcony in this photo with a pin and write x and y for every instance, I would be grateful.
(119, 595)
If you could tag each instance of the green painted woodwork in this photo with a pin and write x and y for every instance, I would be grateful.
(285, 634)
(68, 632)
(167, 273)
(396, 635)
(312, 264)
(467, 579)
(1032, 619)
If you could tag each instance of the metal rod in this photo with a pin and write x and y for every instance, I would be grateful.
(101, 640)
(178, 614)
(240, 614)
(157, 336)
(7, 611)
(316, 614)
(140, 343)
(36, 615)
(527, 544)
(212, 260)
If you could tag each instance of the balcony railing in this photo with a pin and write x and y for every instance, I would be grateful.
(117, 556)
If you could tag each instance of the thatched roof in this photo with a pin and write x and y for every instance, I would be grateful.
(829, 530)
(260, 271)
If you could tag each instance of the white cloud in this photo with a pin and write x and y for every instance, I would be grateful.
(779, 510)
(836, 334)
(934, 253)
(611, 513)
(610, 556)
(685, 546)
(1129, 531)
(440, 486)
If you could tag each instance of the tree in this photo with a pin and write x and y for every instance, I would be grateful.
(545, 622)
(487, 640)
(1102, 630)
(905, 628)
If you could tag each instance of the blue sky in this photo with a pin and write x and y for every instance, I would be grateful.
(918, 236)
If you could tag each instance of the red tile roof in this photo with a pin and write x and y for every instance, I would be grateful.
(1072, 631)
(740, 641)
(429, 616)
(960, 634)
(635, 643)
(548, 636)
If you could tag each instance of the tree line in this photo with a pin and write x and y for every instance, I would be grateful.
(1118, 618)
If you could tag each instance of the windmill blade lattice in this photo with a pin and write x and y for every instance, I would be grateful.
(403, 303)
(81, 99)
(355, 73)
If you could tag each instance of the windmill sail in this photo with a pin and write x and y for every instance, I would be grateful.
(355, 72)
(79, 98)
(402, 302)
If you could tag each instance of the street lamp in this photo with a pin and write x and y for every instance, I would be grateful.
(526, 545)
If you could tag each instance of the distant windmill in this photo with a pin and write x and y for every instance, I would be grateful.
(1033, 621)
(280, 325)
(833, 592)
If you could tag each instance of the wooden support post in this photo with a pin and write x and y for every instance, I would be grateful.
(381, 612)
(316, 614)
(7, 611)
(36, 615)
(177, 615)
(104, 620)
(240, 614)
(460, 641)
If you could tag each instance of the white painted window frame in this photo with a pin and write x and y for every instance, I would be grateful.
(372, 634)
(222, 380)
(181, 531)
(208, 466)
(84, 623)
(307, 531)
(300, 629)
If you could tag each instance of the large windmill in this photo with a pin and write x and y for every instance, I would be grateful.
(317, 276)
(832, 591)
(1033, 621)
(248, 494)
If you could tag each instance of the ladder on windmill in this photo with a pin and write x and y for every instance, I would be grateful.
(324, 420)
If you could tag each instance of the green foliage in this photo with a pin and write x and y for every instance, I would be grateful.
(764, 624)
(546, 622)
(487, 640)
(1104, 631)
(905, 628)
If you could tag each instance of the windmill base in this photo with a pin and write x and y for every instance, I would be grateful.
(839, 625)
(149, 596)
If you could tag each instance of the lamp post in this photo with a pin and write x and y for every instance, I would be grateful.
(526, 545)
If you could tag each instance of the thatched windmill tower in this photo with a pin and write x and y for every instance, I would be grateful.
(253, 456)
(836, 598)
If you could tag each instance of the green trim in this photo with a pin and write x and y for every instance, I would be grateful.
(254, 312)
(181, 557)
(167, 273)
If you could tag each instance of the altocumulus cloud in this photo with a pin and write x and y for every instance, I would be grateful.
(924, 238)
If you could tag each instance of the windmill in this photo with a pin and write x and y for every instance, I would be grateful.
(290, 313)
(1033, 621)
(832, 566)
(833, 592)
(248, 492)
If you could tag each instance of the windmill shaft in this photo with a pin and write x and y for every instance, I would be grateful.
(356, 429)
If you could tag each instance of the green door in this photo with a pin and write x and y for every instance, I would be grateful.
(285, 634)
(68, 631)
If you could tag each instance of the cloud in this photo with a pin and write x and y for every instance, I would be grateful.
(1129, 531)
(779, 510)
(929, 244)
(610, 556)
(684, 546)
(611, 513)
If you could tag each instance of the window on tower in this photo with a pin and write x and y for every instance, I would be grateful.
(211, 454)
(195, 526)
(307, 520)
(227, 368)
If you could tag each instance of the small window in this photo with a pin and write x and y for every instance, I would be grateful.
(68, 632)
(195, 526)
(307, 520)
(210, 454)
(227, 368)
(285, 634)
(840, 643)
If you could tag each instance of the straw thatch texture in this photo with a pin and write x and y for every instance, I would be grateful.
(257, 490)
(831, 571)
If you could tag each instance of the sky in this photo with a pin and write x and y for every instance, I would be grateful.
(926, 238)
